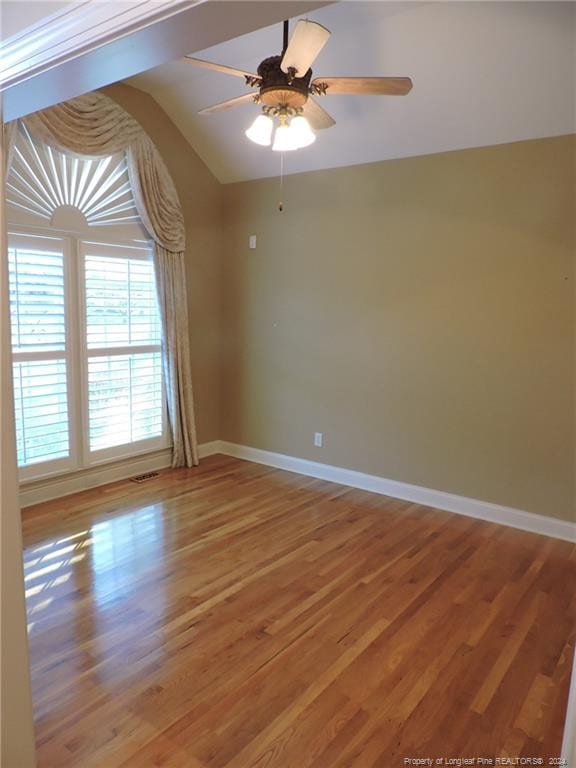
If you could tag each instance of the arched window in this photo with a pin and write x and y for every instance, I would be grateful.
(88, 382)
(46, 186)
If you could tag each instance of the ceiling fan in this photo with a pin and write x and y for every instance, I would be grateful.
(285, 89)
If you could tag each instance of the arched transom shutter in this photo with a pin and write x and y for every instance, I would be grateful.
(42, 183)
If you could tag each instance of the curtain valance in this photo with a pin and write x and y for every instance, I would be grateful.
(93, 124)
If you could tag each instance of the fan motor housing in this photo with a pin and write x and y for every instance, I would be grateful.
(279, 89)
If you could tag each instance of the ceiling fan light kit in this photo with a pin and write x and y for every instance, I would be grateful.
(285, 90)
(292, 131)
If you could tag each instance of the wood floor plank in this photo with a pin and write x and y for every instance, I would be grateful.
(238, 616)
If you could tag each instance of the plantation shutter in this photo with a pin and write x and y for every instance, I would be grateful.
(37, 282)
(126, 402)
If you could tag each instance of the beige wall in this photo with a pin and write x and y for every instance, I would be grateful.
(419, 312)
(201, 196)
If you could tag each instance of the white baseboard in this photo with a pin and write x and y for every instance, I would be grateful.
(209, 449)
(460, 505)
(38, 491)
(55, 487)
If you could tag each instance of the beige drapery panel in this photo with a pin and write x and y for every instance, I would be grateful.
(94, 125)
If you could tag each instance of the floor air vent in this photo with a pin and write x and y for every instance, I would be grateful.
(144, 477)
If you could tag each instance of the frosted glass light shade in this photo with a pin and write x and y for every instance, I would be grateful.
(301, 131)
(260, 132)
(285, 140)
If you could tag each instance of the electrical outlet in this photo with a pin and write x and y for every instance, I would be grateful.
(252, 242)
(318, 439)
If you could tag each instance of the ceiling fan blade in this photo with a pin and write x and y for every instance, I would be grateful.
(306, 42)
(317, 115)
(367, 86)
(223, 105)
(218, 67)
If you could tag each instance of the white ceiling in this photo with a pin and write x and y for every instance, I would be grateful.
(484, 73)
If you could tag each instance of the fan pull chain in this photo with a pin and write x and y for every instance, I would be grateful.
(280, 202)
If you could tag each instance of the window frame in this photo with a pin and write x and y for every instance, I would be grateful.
(76, 351)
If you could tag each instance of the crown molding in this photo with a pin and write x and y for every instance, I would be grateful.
(72, 31)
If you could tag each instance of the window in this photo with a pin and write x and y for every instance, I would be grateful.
(44, 183)
(124, 366)
(86, 336)
(40, 348)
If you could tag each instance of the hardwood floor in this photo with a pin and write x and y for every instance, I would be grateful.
(236, 616)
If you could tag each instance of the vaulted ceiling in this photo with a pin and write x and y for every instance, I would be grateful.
(484, 73)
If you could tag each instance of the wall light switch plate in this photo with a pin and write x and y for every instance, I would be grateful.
(318, 439)
(252, 242)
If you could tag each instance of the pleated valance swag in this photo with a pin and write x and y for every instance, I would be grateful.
(95, 125)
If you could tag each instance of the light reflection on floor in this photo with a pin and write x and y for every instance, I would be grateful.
(106, 560)
(122, 549)
(48, 567)
(113, 565)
